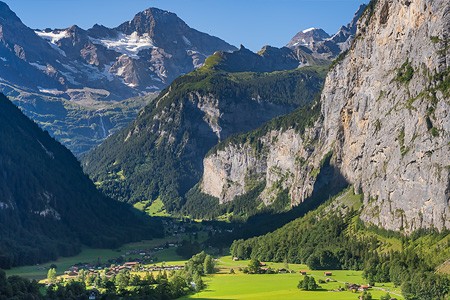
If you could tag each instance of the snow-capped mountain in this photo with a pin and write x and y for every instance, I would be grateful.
(323, 45)
(53, 74)
(145, 53)
(308, 36)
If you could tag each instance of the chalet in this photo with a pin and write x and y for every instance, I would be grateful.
(70, 273)
(235, 258)
(283, 271)
(131, 264)
(262, 264)
(303, 272)
(327, 273)
(363, 288)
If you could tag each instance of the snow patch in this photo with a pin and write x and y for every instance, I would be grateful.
(48, 212)
(39, 67)
(130, 45)
(53, 37)
(57, 49)
(131, 85)
(50, 91)
(4, 205)
(309, 29)
(69, 78)
(51, 155)
(70, 68)
(107, 72)
(4, 59)
(187, 41)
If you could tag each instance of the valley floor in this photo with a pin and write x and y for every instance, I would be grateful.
(224, 285)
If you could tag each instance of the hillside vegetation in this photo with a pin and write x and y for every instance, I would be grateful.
(48, 206)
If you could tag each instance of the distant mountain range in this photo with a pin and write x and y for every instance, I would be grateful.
(72, 82)
(141, 55)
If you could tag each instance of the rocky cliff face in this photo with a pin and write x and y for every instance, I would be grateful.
(384, 117)
(230, 171)
(386, 114)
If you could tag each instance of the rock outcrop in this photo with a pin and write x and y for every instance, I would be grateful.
(384, 118)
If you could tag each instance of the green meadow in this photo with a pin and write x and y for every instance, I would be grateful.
(282, 286)
(154, 209)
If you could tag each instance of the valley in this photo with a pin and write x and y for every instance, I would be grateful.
(231, 280)
(150, 160)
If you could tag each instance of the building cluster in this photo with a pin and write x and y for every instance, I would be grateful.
(113, 270)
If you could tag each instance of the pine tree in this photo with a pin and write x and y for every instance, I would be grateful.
(208, 265)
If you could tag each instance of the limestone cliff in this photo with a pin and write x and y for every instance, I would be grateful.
(384, 117)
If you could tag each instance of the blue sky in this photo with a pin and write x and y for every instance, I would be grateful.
(254, 23)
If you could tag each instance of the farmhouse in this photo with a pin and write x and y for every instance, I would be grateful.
(364, 288)
(328, 273)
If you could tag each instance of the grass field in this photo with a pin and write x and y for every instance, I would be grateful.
(280, 286)
(224, 285)
(155, 209)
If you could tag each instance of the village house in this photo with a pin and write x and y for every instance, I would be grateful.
(363, 288)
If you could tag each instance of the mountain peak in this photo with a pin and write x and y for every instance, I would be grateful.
(149, 20)
(308, 36)
(308, 30)
(154, 11)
